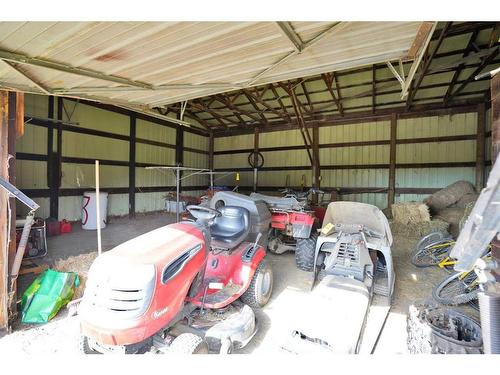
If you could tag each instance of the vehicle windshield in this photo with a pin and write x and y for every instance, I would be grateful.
(355, 213)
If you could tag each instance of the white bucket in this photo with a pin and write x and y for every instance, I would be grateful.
(89, 220)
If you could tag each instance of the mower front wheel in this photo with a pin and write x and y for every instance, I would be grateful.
(85, 347)
(259, 292)
(188, 343)
(304, 252)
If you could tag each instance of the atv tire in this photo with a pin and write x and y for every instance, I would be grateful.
(441, 330)
(261, 287)
(188, 343)
(84, 347)
(304, 252)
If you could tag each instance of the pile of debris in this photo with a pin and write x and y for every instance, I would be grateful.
(79, 264)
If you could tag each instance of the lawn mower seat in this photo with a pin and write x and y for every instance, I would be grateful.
(231, 228)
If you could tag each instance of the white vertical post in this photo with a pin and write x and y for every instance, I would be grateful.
(98, 208)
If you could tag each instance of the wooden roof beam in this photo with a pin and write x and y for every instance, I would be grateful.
(426, 65)
(485, 62)
(328, 81)
(460, 67)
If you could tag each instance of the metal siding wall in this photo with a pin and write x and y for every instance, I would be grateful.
(94, 118)
(155, 132)
(374, 154)
(33, 174)
(195, 141)
(432, 126)
(465, 151)
(233, 143)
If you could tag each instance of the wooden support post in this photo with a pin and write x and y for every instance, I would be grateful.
(495, 117)
(211, 158)
(391, 193)
(4, 297)
(179, 151)
(12, 115)
(255, 159)
(51, 162)
(55, 160)
(480, 146)
(317, 163)
(131, 166)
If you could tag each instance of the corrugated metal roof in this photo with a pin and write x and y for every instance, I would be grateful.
(203, 57)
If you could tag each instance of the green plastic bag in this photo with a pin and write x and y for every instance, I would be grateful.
(47, 294)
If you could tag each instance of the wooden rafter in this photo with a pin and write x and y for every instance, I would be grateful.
(328, 81)
(456, 75)
(267, 106)
(414, 88)
(213, 113)
(280, 102)
(339, 94)
(300, 120)
(256, 107)
(308, 98)
(485, 62)
(238, 111)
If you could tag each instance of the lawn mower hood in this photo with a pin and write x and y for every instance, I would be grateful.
(140, 286)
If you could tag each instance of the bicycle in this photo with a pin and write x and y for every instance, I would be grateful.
(432, 250)
(458, 288)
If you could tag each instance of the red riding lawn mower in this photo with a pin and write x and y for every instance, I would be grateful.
(294, 223)
(184, 288)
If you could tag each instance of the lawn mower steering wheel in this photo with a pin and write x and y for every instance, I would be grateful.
(203, 213)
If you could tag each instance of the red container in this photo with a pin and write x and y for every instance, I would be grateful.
(64, 227)
(53, 228)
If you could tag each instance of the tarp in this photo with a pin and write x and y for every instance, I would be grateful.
(47, 294)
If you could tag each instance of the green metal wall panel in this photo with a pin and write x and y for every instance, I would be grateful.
(93, 147)
(155, 132)
(95, 118)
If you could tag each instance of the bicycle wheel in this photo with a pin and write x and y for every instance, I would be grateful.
(456, 289)
(431, 238)
(432, 254)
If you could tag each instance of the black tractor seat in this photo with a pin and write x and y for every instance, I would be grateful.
(231, 228)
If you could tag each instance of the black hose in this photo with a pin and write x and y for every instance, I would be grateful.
(489, 306)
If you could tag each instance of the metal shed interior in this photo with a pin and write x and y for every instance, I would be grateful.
(352, 109)
(374, 112)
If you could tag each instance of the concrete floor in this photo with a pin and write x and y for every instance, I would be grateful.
(288, 306)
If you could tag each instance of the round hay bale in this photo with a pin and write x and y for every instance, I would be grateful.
(449, 195)
(452, 216)
(467, 211)
(467, 199)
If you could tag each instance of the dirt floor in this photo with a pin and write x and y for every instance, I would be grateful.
(288, 308)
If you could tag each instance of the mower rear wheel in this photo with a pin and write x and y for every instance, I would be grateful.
(260, 289)
(188, 343)
(84, 346)
(304, 252)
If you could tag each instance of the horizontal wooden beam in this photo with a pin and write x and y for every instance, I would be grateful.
(451, 138)
(416, 111)
(74, 192)
(100, 133)
(356, 166)
(348, 190)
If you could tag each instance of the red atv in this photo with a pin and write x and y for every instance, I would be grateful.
(293, 225)
(183, 288)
